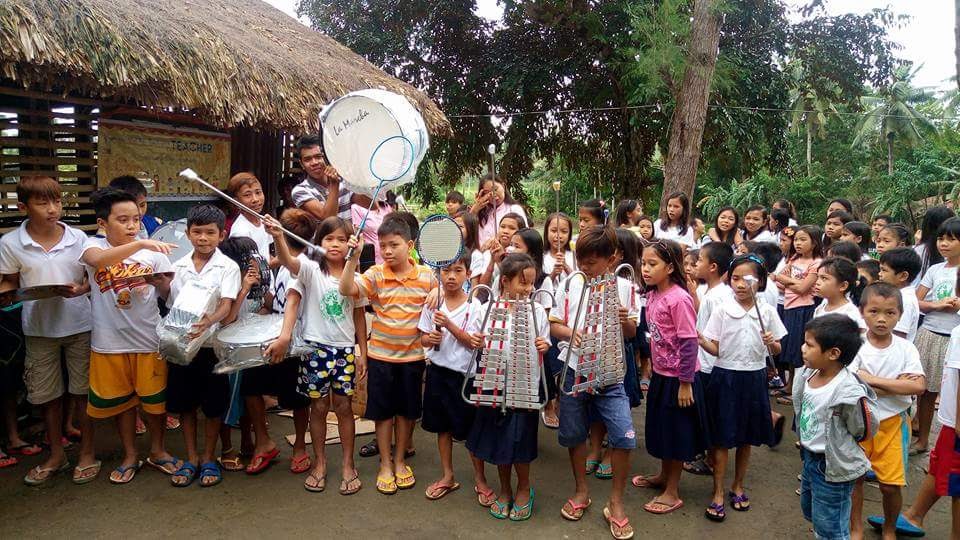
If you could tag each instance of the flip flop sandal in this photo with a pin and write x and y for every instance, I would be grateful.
(345, 488)
(604, 471)
(916, 451)
(904, 527)
(740, 503)
(210, 469)
(319, 483)
(79, 478)
(698, 467)
(261, 462)
(300, 465)
(718, 513)
(42, 475)
(172, 423)
(161, 465)
(550, 423)
(642, 481)
(657, 507)
(141, 427)
(485, 498)
(406, 480)
(7, 461)
(25, 449)
(785, 400)
(232, 464)
(523, 512)
(387, 486)
(500, 510)
(778, 428)
(187, 470)
(123, 472)
(370, 449)
(592, 465)
(577, 510)
(444, 490)
(619, 524)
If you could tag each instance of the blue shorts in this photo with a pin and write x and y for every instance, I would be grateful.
(825, 504)
(327, 368)
(610, 406)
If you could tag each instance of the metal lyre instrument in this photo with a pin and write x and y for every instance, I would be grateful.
(509, 369)
(600, 354)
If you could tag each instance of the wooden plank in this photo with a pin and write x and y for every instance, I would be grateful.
(56, 174)
(48, 128)
(49, 97)
(29, 160)
(66, 211)
(18, 142)
(47, 114)
(66, 188)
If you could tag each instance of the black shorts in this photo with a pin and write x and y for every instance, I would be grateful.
(394, 389)
(278, 380)
(444, 410)
(196, 385)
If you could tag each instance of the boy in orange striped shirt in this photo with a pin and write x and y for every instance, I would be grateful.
(397, 290)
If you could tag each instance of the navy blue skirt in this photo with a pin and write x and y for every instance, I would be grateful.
(794, 319)
(739, 408)
(672, 432)
(504, 439)
(631, 378)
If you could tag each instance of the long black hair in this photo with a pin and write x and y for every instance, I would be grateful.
(484, 212)
(671, 253)
(933, 219)
(845, 270)
(624, 208)
(531, 238)
(684, 217)
(629, 246)
(730, 236)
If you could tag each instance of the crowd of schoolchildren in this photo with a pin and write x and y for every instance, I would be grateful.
(853, 325)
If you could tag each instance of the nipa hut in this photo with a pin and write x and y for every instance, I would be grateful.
(90, 89)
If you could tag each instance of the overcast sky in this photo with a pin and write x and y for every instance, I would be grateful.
(927, 38)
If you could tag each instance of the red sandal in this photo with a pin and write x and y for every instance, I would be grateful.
(300, 464)
(260, 462)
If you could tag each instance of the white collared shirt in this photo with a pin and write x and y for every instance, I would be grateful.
(258, 233)
(738, 333)
(710, 300)
(51, 317)
(220, 271)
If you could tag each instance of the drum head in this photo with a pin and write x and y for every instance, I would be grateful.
(252, 329)
(174, 232)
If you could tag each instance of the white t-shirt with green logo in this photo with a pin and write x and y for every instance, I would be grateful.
(326, 314)
(814, 414)
(941, 283)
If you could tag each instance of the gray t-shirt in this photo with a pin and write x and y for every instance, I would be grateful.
(309, 190)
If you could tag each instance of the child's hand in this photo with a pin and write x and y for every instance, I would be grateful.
(623, 313)
(360, 362)
(432, 339)
(158, 280)
(476, 341)
(541, 345)
(277, 350)
(441, 319)
(866, 376)
(331, 175)
(576, 340)
(158, 246)
(250, 278)
(200, 327)
(557, 270)
(768, 338)
(433, 299)
(685, 395)
(74, 290)
(272, 226)
(356, 244)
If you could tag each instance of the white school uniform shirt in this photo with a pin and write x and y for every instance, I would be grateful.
(770, 295)
(910, 318)
(673, 233)
(780, 266)
(478, 262)
(738, 332)
(327, 315)
(848, 309)
(220, 271)
(281, 284)
(125, 309)
(51, 317)
(814, 414)
(947, 414)
(710, 301)
(763, 236)
(454, 355)
(243, 227)
(941, 283)
(568, 302)
(898, 358)
(549, 261)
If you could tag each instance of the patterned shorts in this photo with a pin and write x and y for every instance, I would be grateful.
(325, 368)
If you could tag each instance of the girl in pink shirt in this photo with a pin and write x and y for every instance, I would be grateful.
(797, 280)
(676, 419)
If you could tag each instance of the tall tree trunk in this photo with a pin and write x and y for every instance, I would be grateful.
(690, 115)
(890, 154)
(810, 146)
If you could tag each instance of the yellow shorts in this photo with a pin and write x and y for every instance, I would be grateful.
(887, 450)
(119, 382)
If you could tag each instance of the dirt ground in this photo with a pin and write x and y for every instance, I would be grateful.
(275, 505)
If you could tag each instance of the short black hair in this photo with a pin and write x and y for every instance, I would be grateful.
(395, 226)
(886, 218)
(903, 259)
(846, 249)
(206, 214)
(844, 216)
(836, 331)
(845, 203)
(883, 290)
(407, 219)
(596, 241)
(104, 199)
(465, 258)
(455, 196)
(309, 140)
(718, 253)
(770, 253)
(870, 266)
(130, 184)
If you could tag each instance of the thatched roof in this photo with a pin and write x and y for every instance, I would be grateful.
(231, 62)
